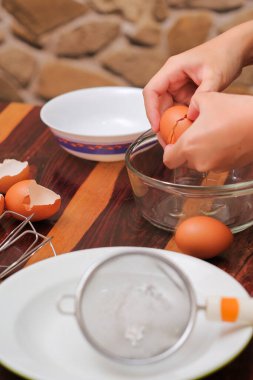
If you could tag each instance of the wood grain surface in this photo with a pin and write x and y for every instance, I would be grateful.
(98, 210)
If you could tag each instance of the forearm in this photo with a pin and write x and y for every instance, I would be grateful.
(242, 38)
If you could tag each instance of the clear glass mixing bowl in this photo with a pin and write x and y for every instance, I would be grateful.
(165, 197)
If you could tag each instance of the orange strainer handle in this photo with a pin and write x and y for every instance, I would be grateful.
(230, 309)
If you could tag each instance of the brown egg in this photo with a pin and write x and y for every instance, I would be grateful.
(11, 172)
(1, 203)
(27, 198)
(174, 123)
(203, 237)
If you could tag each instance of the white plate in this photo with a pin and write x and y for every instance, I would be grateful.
(40, 343)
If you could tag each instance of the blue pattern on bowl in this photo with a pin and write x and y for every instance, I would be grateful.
(93, 148)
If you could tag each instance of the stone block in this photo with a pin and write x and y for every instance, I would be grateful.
(2, 36)
(239, 89)
(60, 76)
(238, 18)
(217, 5)
(106, 6)
(88, 38)
(136, 65)
(188, 31)
(25, 35)
(17, 63)
(40, 16)
(246, 77)
(146, 33)
(160, 10)
(133, 10)
(8, 91)
(178, 3)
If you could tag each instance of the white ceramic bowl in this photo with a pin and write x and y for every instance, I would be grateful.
(97, 123)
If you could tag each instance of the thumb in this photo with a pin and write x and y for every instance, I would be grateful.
(193, 110)
(207, 85)
(172, 157)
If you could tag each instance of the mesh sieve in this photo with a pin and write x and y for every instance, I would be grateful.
(135, 308)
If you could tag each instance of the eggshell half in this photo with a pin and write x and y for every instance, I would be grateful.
(1, 203)
(11, 172)
(174, 123)
(203, 237)
(27, 198)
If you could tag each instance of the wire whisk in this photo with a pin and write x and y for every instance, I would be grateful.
(24, 231)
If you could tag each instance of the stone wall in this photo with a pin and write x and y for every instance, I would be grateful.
(48, 47)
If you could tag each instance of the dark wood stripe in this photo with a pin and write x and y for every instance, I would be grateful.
(3, 106)
(124, 221)
(82, 211)
(51, 166)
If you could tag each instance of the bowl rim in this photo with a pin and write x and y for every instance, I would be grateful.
(181, 188)
(116, 137)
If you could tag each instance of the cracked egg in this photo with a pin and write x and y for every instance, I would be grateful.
(174, 123)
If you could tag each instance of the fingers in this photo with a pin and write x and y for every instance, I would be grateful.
(174, 157)
(185, 93)
(193, 110)
(151, 102)
(207, 85)
(156, 101)
(197, 147)
(171, 157)
(161, 142)
(157, 93)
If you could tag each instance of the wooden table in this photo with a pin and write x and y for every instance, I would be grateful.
(97, 198)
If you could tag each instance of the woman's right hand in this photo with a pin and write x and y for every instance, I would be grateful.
(221, 138)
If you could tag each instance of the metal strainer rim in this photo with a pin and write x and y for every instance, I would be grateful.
(87, 277)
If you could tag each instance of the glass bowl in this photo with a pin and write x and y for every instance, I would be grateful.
(165, 197)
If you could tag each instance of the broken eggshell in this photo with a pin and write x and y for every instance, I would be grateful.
(1, 203)
(174, 123)
(11, 172)
(27, 198)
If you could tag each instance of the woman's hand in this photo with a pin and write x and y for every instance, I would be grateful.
(220, 138)
(211, 66)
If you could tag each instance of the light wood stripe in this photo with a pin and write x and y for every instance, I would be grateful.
(11, 116)
(192, 206)
(88, 202)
